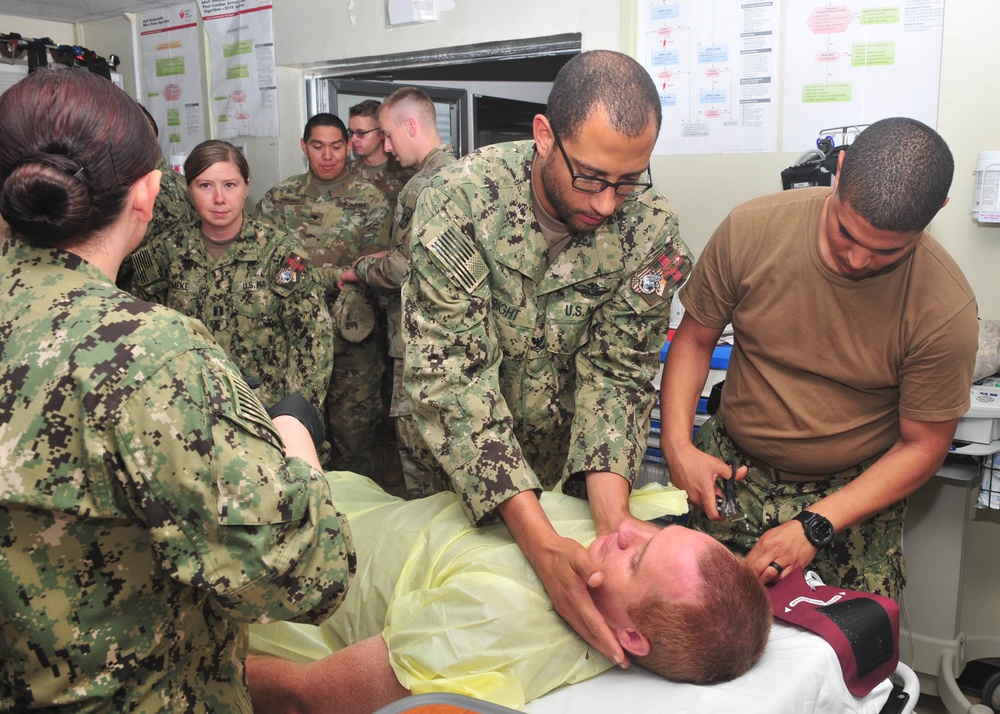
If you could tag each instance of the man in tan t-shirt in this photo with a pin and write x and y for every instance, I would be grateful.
(856, 337)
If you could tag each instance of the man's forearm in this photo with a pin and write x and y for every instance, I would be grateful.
(684, 376)
(607, 494)
(909, 464)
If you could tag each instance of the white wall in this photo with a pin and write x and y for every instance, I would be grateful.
(61, 33)
(113, 36)
(311, 31)
(969, 119)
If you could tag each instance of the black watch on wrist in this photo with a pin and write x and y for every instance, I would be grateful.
(819, 530)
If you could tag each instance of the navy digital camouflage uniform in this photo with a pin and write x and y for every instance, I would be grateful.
(147, 509)
(389, 178)
(261, 300)
(335, 222)
(173, 206)
(866, 555)
(386, 275)
(172, 209)
(523, 372)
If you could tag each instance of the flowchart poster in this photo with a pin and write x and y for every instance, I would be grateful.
(172, 76)
(852, 63)
(244, 87)
(716, 66)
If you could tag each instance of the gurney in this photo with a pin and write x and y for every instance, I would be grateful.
(798, 674)
(830, 650)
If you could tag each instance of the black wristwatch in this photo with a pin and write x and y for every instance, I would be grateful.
(819, 530)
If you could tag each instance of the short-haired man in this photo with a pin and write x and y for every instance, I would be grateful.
(856, 336)
(441, 606)
(534, 311)
(409, 127)
(336, 218)
(372, 161)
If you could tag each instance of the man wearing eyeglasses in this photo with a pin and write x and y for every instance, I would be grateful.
(371, 161)
(338, 217)
(534, 311)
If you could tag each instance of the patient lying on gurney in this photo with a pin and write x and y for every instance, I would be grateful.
(440, 606)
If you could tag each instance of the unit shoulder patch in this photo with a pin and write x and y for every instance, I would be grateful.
(663, 274)
(291, 271)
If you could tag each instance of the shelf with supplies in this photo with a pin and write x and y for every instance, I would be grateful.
(654, 466)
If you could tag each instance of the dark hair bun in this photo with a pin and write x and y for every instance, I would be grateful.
(46, 199)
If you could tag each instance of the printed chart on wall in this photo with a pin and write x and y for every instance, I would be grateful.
(715, 64)
(244, 88)
(172, 76)
(852, 63)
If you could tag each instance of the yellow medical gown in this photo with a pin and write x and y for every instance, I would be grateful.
(460, 608)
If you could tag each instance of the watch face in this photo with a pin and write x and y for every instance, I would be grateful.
(819, 531)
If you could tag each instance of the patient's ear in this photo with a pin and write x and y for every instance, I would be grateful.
(633, 641)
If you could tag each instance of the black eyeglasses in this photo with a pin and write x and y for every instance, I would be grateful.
(592, 184)
(361, 134)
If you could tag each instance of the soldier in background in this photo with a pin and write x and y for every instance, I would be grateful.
(337, 217)
(409, 128)
(248, 282)
(534, 311)
(372, 161)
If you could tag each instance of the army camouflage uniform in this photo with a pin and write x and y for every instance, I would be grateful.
(864, 557)
(262, 301)
(523, 372)
(172, 209)
(335, 222)
(386, 275)
(147, 509)
(389, 178)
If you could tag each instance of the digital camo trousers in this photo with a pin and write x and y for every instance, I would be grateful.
(867, 557)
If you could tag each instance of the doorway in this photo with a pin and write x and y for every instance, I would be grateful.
(484, 93)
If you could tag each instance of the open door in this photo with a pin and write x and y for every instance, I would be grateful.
(337, 96)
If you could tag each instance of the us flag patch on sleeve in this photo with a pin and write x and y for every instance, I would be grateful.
(661, 276)
(291, 270)
(458, 259)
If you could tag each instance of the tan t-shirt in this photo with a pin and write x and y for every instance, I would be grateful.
(823, 365)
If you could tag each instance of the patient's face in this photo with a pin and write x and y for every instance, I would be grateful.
(639, 561)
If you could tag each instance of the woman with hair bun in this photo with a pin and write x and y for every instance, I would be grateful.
(149, 506)
(250, 284)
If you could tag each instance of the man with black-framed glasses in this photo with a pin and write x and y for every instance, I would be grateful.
(534, 311)
(371, 161)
